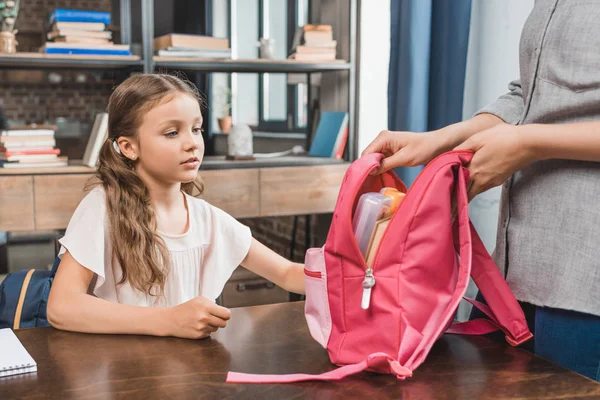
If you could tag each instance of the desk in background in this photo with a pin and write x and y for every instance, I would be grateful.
(44, 199)
(274, 339)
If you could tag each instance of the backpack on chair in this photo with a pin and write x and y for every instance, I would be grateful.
(420, 273)
(24, 296)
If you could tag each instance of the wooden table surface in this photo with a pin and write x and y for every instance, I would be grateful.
(273, 339)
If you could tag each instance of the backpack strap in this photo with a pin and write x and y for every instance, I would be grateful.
(375, 361)
(21, 301)
(503, 310)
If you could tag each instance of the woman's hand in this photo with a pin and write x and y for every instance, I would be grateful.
(196, 319)
(406, 149)
(499, 152)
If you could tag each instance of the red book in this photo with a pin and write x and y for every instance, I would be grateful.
(4, 152)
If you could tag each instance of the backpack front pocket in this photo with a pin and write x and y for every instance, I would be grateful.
(317, 312)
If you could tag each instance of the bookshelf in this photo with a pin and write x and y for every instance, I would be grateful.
(149, 63)
(40, 61)
(250, 65)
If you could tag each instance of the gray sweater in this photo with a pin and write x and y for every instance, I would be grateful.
(548, 242)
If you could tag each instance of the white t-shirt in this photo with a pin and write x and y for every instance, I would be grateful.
(202, 259)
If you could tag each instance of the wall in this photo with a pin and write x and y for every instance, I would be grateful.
(373, 72)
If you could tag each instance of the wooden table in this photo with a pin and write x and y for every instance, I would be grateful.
(273, 339)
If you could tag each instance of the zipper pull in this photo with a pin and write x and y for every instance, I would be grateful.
(367, 284)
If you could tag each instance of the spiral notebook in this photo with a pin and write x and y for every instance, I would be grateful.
(14, 359)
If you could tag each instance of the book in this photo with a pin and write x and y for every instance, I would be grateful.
(26, 132)
(195, 53)
(87, 46)
(15, 358)
(92, 52)
(68, 15)
(52, 164)
(80, 26)
(190, 41)
(375, 239)
(27, 152)
(329, 135)
(74, 33)
(98, 136)
(313, 56)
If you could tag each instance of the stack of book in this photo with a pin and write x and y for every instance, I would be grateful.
(192, 46)
(314, 43)
(30, 146)
(82, 32)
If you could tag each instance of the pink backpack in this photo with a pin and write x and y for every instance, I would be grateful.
(420, 274)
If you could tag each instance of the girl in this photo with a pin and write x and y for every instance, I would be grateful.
(141, 255)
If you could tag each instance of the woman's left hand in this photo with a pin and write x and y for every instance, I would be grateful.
(499, 152)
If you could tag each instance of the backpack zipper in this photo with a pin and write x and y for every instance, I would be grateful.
(369, 280)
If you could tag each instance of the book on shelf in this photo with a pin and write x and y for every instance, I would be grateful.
(194, 53)
(79, 26)
(70, 15)
(58, 35)
(30, 146)
(192, 47)
(98, 136)
(330, 136)
(53, 164)
(314, 43)
(83, 32)
(190, 41)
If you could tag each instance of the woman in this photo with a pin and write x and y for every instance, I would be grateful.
(542, 140)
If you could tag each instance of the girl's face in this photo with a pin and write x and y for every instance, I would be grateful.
(170, 146)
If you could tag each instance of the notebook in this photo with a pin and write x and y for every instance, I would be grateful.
(14, 358)
(331, 135)
(378, 231)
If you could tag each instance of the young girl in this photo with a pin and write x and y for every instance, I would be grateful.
(141, 255)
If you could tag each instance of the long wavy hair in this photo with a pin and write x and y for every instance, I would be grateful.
(141, 252)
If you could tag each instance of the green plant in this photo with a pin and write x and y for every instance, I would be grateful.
(9, 9)
(225, 100)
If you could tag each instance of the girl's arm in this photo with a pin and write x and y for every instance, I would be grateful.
(263, 261)
(71, 308)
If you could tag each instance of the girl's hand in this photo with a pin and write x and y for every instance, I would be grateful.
(499, 152)
(406, 149)
(196, 319)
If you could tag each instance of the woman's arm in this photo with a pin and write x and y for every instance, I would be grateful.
(71, 308)
(504, 149)
(263, 261)
(455, 134)
(574, 141)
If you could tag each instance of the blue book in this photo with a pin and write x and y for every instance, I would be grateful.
(67, 15)
(330, 134)
(91, 52)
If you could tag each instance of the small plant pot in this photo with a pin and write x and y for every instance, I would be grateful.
(225, 124)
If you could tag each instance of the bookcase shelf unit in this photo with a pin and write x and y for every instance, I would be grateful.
(149, 63)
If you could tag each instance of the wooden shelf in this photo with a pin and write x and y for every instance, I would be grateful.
(250, 65)
(209, 163)
(40, 60)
